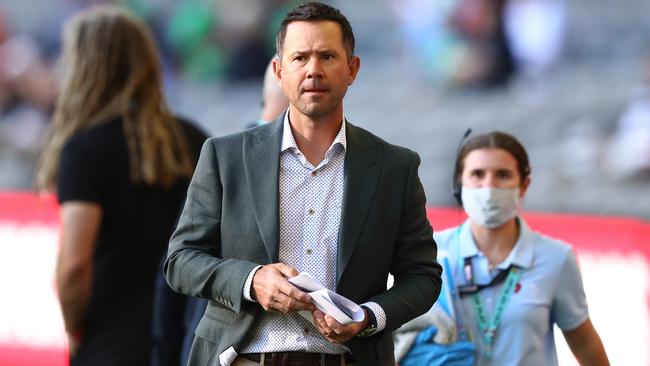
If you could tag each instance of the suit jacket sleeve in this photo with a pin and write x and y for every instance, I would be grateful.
(414, 267)
(194, 265)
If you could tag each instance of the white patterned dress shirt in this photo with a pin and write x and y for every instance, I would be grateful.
(310, 214)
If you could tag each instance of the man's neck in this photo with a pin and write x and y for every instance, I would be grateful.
(496, 244)
(314, 136)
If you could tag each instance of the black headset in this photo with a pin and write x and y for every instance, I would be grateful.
(455, 184)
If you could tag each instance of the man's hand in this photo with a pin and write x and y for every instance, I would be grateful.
(272, 290)
(336, 332)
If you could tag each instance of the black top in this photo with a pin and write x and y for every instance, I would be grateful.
(137, 220)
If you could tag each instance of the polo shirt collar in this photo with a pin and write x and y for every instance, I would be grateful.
(520, 256)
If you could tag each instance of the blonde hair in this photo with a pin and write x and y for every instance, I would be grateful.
(111, 69)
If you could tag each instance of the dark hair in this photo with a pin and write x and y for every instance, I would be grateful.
(493, 140)
(313, 12)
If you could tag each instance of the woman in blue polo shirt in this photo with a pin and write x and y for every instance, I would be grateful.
(513, 284)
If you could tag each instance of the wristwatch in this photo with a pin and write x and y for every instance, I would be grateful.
(372, 324)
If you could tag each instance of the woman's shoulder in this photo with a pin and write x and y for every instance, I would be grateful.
(194, 135)
(444, 238)
(550, 245)
(192, 130)
(551, 253)
(102, 134)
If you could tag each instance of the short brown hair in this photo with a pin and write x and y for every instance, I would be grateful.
(313, 12)
(493, 140)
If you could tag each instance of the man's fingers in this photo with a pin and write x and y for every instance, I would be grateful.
(318, 315)
(287, 271)
(337, 327)
(295, 293)
(332, 330)
(319, 320)
(272, 290)
(282, 303)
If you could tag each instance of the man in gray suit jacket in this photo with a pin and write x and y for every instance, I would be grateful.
(309, 192)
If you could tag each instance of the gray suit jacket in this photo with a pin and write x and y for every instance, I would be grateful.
(230, 224)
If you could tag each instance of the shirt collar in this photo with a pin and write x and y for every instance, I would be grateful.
(520, 256)
(289, 142)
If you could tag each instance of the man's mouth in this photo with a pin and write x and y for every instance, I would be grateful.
(315, 90)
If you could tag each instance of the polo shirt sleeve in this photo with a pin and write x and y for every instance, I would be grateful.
(570, 304)
(79, 177)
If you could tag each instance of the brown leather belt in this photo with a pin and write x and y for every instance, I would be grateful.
(299, 358)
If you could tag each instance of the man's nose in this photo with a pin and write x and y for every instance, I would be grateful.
(314, 68)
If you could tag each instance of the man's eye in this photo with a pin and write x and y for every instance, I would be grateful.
(298, 58)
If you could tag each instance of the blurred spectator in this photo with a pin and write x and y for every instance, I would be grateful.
(579, 150)
(120, 164)
(629, 153)
(27, 94)
(190, 32)
(459, 42)
(246, 29)
(229, 40)
(24, 74)
(481, 43)
(274, 102)
(535, 31)
(489, 61)
(430, 46)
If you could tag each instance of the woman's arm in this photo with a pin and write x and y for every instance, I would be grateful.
(586, 345)
(80, 223)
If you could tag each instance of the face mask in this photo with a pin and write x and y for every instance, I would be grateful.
(490, 207)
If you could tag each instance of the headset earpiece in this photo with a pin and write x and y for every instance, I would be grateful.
(457, 193)
(456, 187)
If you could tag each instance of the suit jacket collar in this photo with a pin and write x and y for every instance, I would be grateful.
(362, 165)
(261, 150)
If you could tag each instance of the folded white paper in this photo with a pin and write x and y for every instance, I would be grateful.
(329, 302)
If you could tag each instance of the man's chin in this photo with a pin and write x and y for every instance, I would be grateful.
(316, 111)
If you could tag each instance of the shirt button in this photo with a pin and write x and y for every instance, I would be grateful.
(313, 173)
(305, 330)
(309, 251)
(311, 211)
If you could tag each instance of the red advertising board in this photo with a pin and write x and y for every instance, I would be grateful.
(614, 255)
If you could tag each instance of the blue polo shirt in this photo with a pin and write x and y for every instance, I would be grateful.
(549, 292)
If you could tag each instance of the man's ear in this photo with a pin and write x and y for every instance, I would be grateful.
(277, 70)
(354, 64)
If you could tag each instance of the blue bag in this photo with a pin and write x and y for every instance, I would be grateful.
(425, 352)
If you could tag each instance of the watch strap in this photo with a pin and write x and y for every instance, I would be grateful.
(372, 323)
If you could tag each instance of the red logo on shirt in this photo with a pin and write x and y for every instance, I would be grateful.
(517, 287)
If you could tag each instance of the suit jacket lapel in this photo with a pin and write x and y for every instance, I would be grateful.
(261, 167)
(362, 163)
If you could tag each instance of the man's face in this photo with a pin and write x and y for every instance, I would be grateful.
(314, 70)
